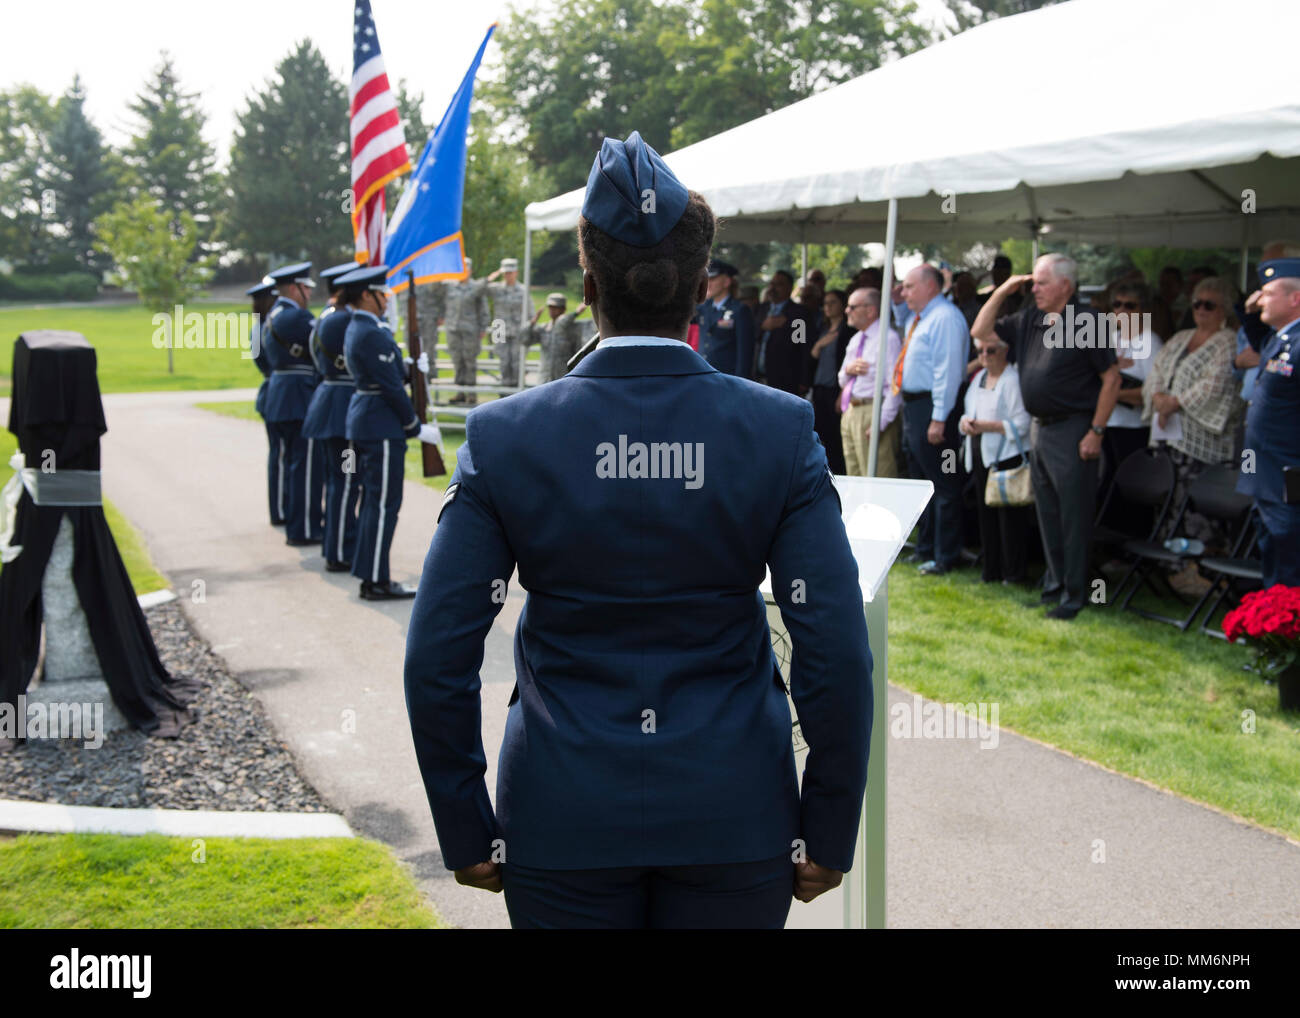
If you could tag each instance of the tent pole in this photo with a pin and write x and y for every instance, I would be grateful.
(803, 265)
(528, 303)
(1245, 257)
(1033, 258)
(886, 320)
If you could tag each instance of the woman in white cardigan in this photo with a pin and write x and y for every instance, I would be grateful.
(994, 416)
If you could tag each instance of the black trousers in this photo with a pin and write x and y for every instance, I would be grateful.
(939, 537)
(743, 895)
(1065, 492)
(826, 422)
(1004, 531)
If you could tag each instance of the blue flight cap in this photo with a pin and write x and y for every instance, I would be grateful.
(299, 272)
(367, 277)
(632, 194)
(267, 285)
(1279, 268)
(717, 267)
(330, 276)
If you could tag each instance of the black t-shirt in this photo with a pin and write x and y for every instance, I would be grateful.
(1061, 362)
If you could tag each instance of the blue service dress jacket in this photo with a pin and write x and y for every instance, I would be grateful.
(263, 363)
(327, 414)
(286, 337)
(380, 407)
(1273, 418)
(727, 336)
(641, 498)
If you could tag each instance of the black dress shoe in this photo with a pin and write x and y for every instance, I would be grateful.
(932, 569)
(332, 566)
(277, 523)
(1051, 596)
(1062, 612)
(301, 542)
(390, 591)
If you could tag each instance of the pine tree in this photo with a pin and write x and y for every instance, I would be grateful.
(290, 168)
(168, 158)
(77, 176)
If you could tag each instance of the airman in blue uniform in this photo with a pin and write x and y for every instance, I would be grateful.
(286, 335)
(1273, 422)
(263, 295)
(380, 419)
(647, 776)
(726, 325)
(326, 424)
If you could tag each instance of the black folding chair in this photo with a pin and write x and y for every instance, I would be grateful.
(1232, 577)
(1145, 478)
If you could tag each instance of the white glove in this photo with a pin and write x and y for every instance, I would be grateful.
(406, 363)
(429, 433)
(423, 363)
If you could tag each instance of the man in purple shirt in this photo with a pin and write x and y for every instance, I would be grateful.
(858, 387)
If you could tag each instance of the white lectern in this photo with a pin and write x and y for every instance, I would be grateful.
(879, 513)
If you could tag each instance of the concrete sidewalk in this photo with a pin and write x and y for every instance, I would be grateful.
(977, 838)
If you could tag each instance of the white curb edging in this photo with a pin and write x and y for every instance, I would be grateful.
(54, 818)
(156, 597)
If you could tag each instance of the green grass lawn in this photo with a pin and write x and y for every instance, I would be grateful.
(100, 881)
(452, 440)
(1134, 695)
(144, 577)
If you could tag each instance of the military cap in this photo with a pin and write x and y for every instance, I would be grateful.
(1279, 268)
(556, 300)
(632, 194)
(331, 275)
(509, 264)
(367, 277)
(299, 272)
(267, 285)
(717, 267)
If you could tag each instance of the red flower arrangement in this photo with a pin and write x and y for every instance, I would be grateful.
(1271, 620)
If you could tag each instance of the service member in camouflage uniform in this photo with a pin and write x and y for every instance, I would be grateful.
(508, 302)
(464, 313)
(560, 336)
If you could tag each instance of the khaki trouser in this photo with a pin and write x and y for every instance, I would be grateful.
(855, 430)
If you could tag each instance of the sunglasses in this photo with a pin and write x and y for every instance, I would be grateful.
(1125, 305)
(1204, 305)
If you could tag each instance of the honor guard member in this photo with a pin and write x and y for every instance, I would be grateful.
(508, 303)
(326, 424)
(465, 316)
(647, 774)
(287, 337)
(726, 325)
(560, 336)
(1273, 422)
(380, 419)
(263, 295)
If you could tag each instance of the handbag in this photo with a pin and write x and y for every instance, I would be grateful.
(1012, 487)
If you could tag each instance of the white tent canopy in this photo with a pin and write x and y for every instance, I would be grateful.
(1137, 122)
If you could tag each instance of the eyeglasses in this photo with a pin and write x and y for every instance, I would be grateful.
(854, 307)
(1125, 305)
(1204, 305)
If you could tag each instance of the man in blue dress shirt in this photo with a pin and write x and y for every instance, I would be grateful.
(380, 419)
(647, 775)
(726, 325)
(326, 424)
(928, 374)
(1273, 422)
(286, 335)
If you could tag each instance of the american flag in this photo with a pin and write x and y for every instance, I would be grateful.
(378, 145)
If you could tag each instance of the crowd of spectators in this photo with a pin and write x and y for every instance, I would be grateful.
(976, 380)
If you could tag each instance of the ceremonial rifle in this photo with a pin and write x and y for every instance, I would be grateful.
(432, 458)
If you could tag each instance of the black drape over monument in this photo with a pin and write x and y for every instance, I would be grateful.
(57, 415)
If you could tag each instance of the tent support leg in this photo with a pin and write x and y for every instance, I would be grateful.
(803, 263)
(1245, 260)
(528, 303)
(886, 321)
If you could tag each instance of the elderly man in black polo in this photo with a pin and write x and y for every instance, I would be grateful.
(1069, 379)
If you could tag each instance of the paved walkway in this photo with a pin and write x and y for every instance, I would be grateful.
(977, 838)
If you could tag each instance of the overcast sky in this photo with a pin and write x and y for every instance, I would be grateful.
(221, 55)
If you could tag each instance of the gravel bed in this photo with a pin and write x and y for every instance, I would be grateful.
(229, 758)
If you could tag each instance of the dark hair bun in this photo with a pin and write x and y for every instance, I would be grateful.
(652, 283)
